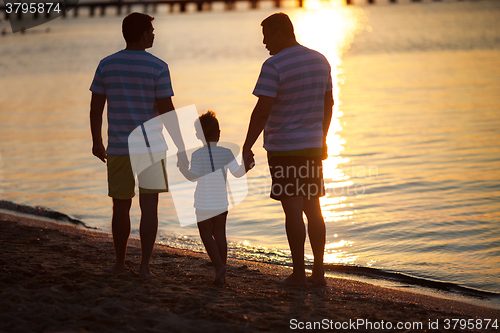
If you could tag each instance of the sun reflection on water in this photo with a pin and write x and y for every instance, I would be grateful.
(329, 28)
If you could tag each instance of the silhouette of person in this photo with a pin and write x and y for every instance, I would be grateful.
(208, 169)
(294, 110)
(136, 86)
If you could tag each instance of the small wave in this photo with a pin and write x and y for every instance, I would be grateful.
(240, 251)
(410, 280)
(43, 212)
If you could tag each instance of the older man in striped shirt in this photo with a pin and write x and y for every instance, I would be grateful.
(137, 88)
(294, 110)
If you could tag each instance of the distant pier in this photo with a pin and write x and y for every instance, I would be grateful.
(125, 7)
(350, 2)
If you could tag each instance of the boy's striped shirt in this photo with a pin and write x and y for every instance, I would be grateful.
(211, 189)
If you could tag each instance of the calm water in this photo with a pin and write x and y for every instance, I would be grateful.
(413, 175)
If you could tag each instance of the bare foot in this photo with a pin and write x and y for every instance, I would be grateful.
(115, 269)
(145, 273)
(220, 276)
(293, 280)
(319, 280)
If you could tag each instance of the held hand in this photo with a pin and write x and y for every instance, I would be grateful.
(99, 151)
(182, 160)
(248, 159)
(324, 154)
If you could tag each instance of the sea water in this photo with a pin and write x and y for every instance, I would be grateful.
(413, 174)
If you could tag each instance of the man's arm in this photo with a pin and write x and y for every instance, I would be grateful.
(257, 123)
(165, 105)
(328, 105)
(97, 103)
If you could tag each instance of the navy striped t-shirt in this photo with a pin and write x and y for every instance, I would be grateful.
(132, 81)
(298, 78)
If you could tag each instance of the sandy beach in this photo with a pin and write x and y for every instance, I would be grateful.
(52, 280)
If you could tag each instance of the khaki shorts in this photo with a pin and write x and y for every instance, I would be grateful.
(121, 178)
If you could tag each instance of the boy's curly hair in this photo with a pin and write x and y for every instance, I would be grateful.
(209, 125)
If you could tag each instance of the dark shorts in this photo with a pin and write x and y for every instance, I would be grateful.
(295, 176)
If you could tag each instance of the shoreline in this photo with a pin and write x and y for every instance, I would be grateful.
(51, 280)
(396, 280)
(369, 275)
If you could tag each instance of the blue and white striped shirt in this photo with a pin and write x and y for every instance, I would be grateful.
(132, 81)
(298, 78)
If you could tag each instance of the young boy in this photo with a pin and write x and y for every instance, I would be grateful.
(208, 169)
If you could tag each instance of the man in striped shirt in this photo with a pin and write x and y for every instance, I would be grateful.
(294, 110)
(136, 86)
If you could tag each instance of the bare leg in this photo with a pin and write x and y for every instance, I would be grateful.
(317, 237)
(219, 234)
(148, 230)
(120, 225)
(205, 228)
(296, 233)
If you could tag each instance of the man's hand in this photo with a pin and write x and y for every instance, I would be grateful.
(324, 155)
(99, 151)
(328, 105)
(248, 159)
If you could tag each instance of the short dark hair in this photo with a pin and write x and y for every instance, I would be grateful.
(134, 25)
(209, 125)
(279, 22)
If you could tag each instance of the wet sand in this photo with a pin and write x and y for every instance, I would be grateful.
(52, 280)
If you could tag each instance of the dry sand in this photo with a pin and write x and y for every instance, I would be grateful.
(52, 280)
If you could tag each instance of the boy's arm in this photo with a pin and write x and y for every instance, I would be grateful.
(165, 105)
(240, 172)
(236, 169)
(97, 103)
(189, 175)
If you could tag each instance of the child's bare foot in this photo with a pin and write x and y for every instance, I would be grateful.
(294, 280)
(220, 276)
(115, 269)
